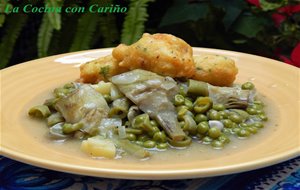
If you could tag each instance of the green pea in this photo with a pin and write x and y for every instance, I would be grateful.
(259, 112)
(207, 140)
(243, 133)
(235, 118)
(224, 139)
(244, 125)
(160, 137)
(263, 117)
(217, 144)
(226, 131)
(248, 86)
(214, 132)
(257, 125)
(218, 107)
(214, 115)
(200, 117)
(203, 127)
(131, 136)
(143, 138)
(141, 143)
(252, 129)
(162, 145)
(224, 114)
(227, 123)
(149, 144)
(179, 100)
(251, 111)
(154, 123)
(236, 130)
(258, 102)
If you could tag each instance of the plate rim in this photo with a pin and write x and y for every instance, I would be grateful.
(134, 174)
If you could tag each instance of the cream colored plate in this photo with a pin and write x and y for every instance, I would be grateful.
(28, 84)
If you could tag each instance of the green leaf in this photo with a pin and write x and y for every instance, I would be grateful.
(2, 19)
(182, 11)
(44, 36)
(54, 17)
(108, 29)
(15, 24)
(86, 28)
(133, 26)
(268, 6)
(249, 26)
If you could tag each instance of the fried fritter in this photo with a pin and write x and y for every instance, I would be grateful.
(164, 54)
(100, 69)
(215, 69)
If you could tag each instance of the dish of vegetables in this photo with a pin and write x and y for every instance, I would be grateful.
(53, 82)
(135, 111)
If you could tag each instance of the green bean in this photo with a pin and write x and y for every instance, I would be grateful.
(40, 111)
(51, 103)
(248, 86)
(217, 144)
(203, 127)
(182, 90)
(68, 128)
(61, 92)
(200, 117)
(179, 100)
(181, 111)
(190, 125)
(120, 108)
(185, 142)
(143, 122)
(214, 132)
(162, 145)
(202, 104)
(160, 137)
(54, 119)
(188, 103)
(134, 131)
(197, 88)
(149, 144)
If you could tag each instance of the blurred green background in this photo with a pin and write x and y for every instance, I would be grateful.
(263, 27)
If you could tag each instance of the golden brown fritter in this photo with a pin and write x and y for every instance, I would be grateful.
(100, 69)
(164, 54)
(215, 69)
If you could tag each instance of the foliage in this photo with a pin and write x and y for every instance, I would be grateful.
(133, 26)
(264, 27)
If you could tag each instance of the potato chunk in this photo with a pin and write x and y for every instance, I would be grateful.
(99, 147)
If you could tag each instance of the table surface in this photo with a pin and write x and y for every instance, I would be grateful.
(17, 175)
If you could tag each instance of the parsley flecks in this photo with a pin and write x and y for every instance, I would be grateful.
(104, 71)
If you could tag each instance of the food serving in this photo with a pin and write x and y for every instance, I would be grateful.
(153, 95)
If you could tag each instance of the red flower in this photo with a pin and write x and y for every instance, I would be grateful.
(295, 56)
(283, 12)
